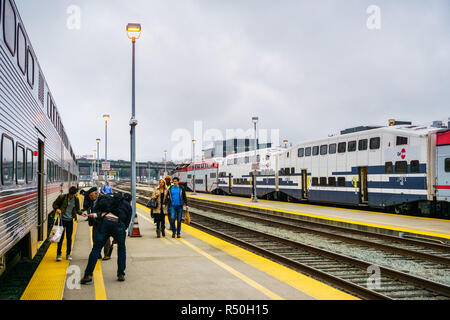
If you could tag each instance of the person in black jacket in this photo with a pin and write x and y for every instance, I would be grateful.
(176, 199)
(115, 212)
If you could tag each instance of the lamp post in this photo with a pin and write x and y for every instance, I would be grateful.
(255, 196)
(94, 167)
(98, 156)
(134, 33)
(106, 117)
(193, 163)
(165, 163)
(285, 143)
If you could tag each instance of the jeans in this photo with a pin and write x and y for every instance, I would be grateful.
(176, 213)
(105, 230)
(68, 231)
(108, 249)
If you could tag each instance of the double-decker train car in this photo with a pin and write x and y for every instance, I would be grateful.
(402, 168)
(36, 159)
(205, 173)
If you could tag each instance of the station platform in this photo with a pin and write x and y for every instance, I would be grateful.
(196, 267)
(391, 224)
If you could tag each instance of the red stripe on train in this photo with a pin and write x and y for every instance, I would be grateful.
(443, 187)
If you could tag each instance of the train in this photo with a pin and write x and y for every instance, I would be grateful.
(36, 158)
(400, 168)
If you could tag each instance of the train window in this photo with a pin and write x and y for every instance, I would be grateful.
(323, 181)
(7, 160)
(258, 158)
(213, 175)
(401, 167)
(21, 49)
(9, 27)
(332, 148)
(375, 143)
(235, 161)
(415, 166)
(189, 176)
(362, 145)
(301, 152)
(342, 147)
(332, 182)
(30, 69)
(323, 150)
(447, 165)
(48, 105)
(308, 152)
(293, 171)
(315, 182)
(401, 141)
(20, 164)
(288, 154)
(30, 172)
(389, 168)
(222, 174)
(247, 159)
(49, 171)
(282, 172)
(351, 146)
(315, 150)
(341, 182)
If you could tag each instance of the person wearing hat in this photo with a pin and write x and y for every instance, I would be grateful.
(67, 207)
(90, 198)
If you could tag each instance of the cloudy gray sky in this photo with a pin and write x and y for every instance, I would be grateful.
(307, 68)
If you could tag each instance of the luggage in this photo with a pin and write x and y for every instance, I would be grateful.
(152, 204)
(57, 231)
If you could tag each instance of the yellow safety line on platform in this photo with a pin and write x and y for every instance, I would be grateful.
(99, 283)
(49, 279)
(297, 280)
(380, 226)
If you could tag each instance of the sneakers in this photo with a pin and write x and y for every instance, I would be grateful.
(86, 279)
(121, 278)
(106, 258)
(69, 257)
(173, 235)
(179, 236)
(59, 258)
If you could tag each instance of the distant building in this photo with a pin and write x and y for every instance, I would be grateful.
(221, 149)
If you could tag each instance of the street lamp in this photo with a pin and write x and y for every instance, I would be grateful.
(165, 163)
(285, 143)
(106, 117)
(133, 32)
(94, 166)
(255, 196)
(98, 155)
(193, 162)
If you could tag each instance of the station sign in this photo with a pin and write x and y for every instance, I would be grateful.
(106, 166)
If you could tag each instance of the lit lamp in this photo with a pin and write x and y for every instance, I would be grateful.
(134, 32)
(285, 143)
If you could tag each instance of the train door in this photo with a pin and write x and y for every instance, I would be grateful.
(443, 173)
(41, 189)
(304, 184)
(363, 185)
(230, 184)
(206, 183)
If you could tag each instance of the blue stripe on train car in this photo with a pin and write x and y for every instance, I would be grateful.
(389, 199)
(412, 183)
(377, 170)
(344, 197)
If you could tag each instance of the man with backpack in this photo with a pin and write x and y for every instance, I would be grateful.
(114, 212)
(176, 199)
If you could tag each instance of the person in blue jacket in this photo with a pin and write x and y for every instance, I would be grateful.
(176, 199)
(106, 189)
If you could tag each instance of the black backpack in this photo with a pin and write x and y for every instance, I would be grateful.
(109, 203)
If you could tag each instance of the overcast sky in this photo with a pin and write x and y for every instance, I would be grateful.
(307, 68)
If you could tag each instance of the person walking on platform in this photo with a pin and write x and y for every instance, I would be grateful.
(169, 185)
(106, 189)
(67, 206)
(89, 202)
(114, 212)
(176, 197)
(159, 194)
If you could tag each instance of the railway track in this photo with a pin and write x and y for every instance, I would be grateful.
(346, 273)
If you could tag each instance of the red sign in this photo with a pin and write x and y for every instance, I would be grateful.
(443, 138)
(35, 153)
(403, 154)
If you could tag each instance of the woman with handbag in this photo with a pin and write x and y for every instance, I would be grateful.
(158, 197)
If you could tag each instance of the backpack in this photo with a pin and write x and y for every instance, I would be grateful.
(109, 203)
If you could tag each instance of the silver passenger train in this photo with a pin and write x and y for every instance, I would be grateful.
(401, 168)
(36, 159)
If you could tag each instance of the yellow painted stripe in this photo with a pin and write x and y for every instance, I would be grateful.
(49, 279)
(386, 227)
(231, 270)
(297, 280)
(99, 283)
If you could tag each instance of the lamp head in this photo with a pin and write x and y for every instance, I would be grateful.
(194, 141)
(134, 31)
(106, 117)
(98, 140)
(255, 119)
